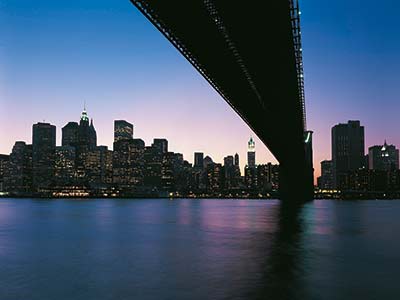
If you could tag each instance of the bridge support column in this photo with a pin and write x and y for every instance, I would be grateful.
(296, 177)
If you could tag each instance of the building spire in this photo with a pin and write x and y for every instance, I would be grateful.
(84, 116)
(251, 145)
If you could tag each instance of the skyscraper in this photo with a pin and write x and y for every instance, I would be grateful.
(4, 168)
(325, 181)
(43, 154)
(236, 159)
(383, 157)
(250, 171)
(160, 145)
(128, 163)
(229, 172)
(347, 151)
(65, 165)
(19, 178)
(123, 130)
(87, 137)
(251, 153)
(199, 160)
(70, 134)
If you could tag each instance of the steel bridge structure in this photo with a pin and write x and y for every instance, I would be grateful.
(251, 54)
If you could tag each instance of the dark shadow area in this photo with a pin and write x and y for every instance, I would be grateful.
(283, 269)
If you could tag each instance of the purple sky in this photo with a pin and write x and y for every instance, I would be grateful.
(54, 55)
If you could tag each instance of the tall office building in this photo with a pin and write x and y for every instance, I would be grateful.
(214, 178)
(123, 130)
(267, 177)
(347, 151)
(87, 141)
(229, 172)
(87, 137)
(70, 134)
(65, 165)
(237, 170)
(199, 160)
(4, 170)
(236, 159)
(325, 181)
(383, 157)
(128, 163)
(160, 146)
(98, 166)
(250, 171)
(43, 154)
(251, 153)
(19, 178)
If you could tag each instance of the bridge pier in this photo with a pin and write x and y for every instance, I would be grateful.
(296, 176)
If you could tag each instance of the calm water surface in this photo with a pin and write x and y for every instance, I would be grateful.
(198, 249)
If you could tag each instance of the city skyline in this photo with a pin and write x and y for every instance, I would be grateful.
(114, 59)
(59, 137)
(79, 167)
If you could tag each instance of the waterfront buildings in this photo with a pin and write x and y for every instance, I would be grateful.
(353, 173)
(347, 151)
(325, 181)
(43, 155)
(383, 157)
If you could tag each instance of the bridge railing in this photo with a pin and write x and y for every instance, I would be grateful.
(295, 20)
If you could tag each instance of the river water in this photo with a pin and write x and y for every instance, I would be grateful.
(198, 249)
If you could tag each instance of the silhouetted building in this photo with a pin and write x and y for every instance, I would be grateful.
(267, 178)
(229, 173)
(87, 137)
(172, 172)
(87, 141)
(214, 175)
(207, 161)
(160, 146)
(43, 155)
(70, 134)
(236, 159)
(65, 169)
(364, 180)
(347, 151)
(250, 178)
(123, 130)
(251, 154)
(153, 159)
(199, 160)
(199, 175)
(128, 163)
(325, 181)
(4, 170)
(19, 178)
(238, 178)
(383, 157)
(250, 171)
(98, 166)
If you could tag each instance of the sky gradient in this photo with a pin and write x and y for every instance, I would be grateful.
(54, 55)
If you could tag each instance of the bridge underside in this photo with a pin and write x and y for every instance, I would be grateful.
(250, 53)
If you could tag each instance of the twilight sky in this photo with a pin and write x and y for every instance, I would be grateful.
(54, 55)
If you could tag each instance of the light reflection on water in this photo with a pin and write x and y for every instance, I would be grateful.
(198, 249)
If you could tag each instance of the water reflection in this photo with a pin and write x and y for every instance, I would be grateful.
(198, 249)
(284, 265)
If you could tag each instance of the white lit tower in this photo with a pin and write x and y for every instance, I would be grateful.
(251, 153)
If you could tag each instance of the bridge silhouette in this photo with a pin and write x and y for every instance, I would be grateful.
(251, 54)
